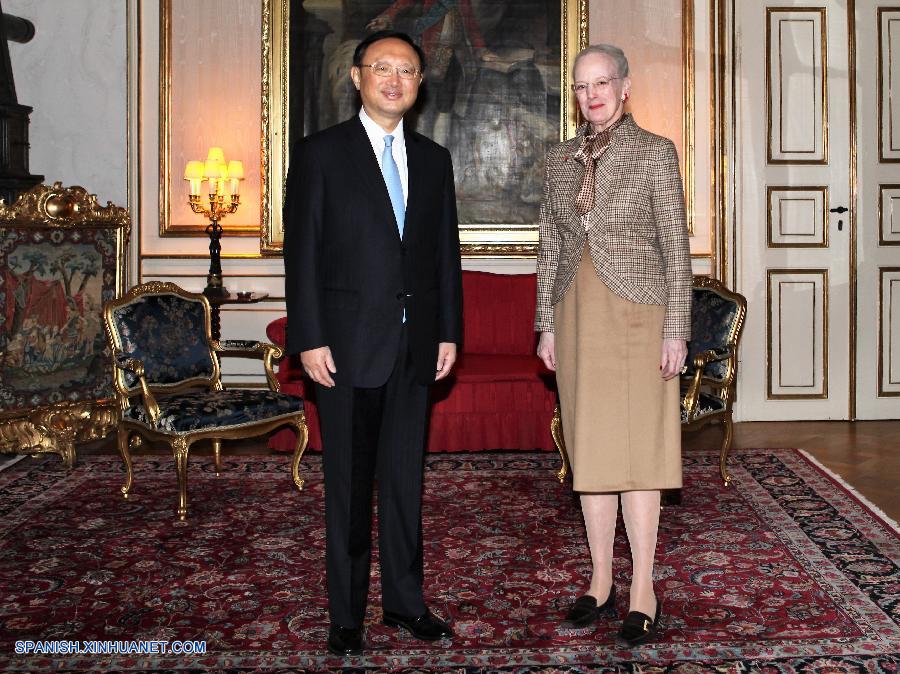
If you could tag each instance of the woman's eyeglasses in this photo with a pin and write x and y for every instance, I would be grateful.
(599, 85)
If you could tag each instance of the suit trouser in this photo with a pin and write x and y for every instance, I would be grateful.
(368, 432)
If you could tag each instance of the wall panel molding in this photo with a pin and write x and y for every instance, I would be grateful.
(889, 332)
(797, 216)
(797, 334)
(796, 86)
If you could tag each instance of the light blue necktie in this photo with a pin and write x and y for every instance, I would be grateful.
(392, 180)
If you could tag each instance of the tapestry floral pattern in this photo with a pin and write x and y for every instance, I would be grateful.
(53, 284)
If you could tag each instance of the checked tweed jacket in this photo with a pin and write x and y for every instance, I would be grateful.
(636, 232)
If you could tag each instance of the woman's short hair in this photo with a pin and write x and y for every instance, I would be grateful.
(616, 54)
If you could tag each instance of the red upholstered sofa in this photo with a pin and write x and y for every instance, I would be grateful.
(500, 395)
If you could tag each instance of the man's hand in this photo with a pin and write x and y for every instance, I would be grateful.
(446, 358)
(319, 365)
(546, 350)
(674, 351)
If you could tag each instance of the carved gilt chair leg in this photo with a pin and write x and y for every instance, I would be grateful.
(557, 432)
(217, 453)
(726, 448)
(66, 451)
(299, 448)
(180, 446)
(123, 438)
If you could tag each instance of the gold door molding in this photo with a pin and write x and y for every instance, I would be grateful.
(797, 334)
(797, 216)
(889, 215)
(796, 86)
(889, 331)
(888, 84)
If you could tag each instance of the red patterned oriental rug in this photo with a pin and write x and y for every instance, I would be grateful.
(787, 571)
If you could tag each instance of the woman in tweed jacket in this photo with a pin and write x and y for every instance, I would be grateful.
(613, 312)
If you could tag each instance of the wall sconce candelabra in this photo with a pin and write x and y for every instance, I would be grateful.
(223, 179)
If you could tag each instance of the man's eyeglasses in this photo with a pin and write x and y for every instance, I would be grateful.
(386, 70)
(599, 85)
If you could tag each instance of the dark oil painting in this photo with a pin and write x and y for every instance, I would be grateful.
(491, 93)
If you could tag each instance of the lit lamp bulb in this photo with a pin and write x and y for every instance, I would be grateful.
(212, 171)
(236, 174)
(223, 179)
(193, 173)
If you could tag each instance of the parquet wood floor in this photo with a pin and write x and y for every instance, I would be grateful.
(866, 454)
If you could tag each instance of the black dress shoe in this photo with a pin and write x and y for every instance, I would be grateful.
(345, 640)
(639, 628)
(585, 610)
(427, 627)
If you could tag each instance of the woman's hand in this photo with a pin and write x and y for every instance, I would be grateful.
(546, 350)
(674, 352)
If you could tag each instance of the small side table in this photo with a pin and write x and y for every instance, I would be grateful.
(215, 304)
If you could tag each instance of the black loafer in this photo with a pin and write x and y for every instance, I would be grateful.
(639, 628)
(427, 627)
(345, 640)
(585, 610)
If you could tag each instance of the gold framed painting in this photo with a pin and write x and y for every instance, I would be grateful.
(496, 95)
(208, 97)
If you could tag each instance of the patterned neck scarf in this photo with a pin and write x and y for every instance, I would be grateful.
(592, 146)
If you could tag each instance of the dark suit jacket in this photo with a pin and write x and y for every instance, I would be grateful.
(348, 275)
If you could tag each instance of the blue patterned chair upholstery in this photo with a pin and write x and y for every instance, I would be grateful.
(168, 381)
(707, 387)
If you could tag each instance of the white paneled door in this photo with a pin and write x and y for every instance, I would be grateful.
(878, 268)
(793, 211)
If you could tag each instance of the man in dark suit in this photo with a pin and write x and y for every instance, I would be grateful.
(373, 288)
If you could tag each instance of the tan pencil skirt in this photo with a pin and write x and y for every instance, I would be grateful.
(621, 420)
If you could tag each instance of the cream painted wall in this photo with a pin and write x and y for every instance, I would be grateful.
(73, 73)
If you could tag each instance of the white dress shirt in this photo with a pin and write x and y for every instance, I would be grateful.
(398, 147)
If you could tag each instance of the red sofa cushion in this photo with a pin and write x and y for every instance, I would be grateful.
(481, 367)
(499, 395)
(498, 313)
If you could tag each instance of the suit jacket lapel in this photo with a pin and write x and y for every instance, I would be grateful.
(361, 156)
(415, 165)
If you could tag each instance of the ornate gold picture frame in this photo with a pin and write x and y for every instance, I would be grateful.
(522, 50)
(207, 98)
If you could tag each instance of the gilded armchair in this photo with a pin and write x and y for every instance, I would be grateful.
(707, 386)
(717, 320)
(168, 381)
